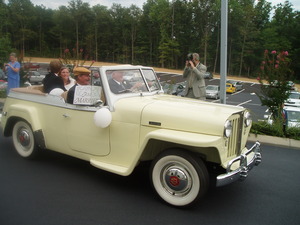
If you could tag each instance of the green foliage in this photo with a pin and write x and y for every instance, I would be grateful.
(293, 132)
(161, 33)
(276, 129)
(275, 69)
(2, 93)
(5, 49)
(265, 128)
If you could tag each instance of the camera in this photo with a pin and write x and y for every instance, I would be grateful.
(189, 57)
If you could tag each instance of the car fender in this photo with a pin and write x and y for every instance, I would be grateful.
(208, 145)
(20, 111)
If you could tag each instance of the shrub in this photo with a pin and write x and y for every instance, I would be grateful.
(293, 133)
(275, 129)
(3, 94)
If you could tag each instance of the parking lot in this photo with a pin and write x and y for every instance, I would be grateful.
(247, 97)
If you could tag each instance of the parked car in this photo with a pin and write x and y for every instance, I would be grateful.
(291, 117)
(2, 75)
(290, 84)
(213, 91)
(174, 89)
(183, 139)
(208, 75)
(230, 88)
(293, 100)
(3, 85)
(237, 84)
(35, 77)
(31, 66)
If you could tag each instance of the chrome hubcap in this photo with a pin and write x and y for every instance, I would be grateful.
(177, 180)
(24, 138)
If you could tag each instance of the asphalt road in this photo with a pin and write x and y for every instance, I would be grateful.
(57, 189)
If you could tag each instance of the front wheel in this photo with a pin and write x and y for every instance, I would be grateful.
(23, 140)
(179, 178)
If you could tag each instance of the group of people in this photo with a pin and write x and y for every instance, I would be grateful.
(59, 78)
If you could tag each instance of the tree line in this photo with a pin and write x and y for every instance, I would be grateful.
(161, 33)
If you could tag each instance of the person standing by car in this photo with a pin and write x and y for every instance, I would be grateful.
(83, 77)
(194, 73)
(64, 73)
(13, 72)
(52, 80)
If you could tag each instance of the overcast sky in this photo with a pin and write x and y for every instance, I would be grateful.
(54, 4)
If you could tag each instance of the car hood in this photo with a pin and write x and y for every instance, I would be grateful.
(184, 114)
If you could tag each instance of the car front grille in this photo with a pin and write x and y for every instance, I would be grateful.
(234, 141)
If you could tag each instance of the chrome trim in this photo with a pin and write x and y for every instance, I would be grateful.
(242, 172)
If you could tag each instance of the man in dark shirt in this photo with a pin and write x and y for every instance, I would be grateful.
(118, 85)
(52, 80)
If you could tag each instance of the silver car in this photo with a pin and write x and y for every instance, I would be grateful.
(213, 91)
(293, 100)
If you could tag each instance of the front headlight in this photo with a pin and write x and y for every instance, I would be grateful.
(227, 128)
(247, 119)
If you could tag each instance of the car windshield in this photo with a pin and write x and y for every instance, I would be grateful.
(294, 96)
(127, 81)
(211, 88)
(293, 116)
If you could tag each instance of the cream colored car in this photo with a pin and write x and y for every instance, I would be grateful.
(186, 140)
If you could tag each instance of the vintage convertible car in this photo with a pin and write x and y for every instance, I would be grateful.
(186, 140)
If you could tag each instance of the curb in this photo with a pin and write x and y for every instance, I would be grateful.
(271, 140)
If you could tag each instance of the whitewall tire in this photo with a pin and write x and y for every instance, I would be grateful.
(23, 140)
(179, 177)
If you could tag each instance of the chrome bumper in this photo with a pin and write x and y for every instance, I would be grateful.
(245, 166)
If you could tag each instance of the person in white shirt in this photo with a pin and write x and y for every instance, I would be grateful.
(69, 82)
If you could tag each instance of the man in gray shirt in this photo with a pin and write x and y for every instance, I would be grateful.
(194, 73)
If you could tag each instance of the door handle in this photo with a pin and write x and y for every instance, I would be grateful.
(66, 115)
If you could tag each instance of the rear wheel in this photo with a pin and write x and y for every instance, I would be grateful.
(23, 140)
(179, 178)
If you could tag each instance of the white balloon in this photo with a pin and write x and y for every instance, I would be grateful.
(56, 91)
(102, 118)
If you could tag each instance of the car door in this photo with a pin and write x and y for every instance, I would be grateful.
(82, 134)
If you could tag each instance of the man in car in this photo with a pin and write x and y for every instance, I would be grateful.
(118, 85)
(83, 77)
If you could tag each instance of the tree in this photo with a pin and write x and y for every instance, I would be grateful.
(23, 13)
(81, 15)
(275, 69)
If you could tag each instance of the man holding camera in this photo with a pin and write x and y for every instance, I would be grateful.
(194, 73)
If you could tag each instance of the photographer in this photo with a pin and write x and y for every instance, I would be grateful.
(194, 73)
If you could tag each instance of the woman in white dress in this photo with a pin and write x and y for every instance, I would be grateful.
(64, 73)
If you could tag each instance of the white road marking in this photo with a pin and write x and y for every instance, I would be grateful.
(243, 103)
